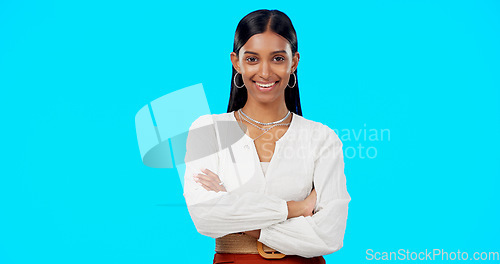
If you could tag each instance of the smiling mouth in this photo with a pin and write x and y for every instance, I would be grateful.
(265, 86)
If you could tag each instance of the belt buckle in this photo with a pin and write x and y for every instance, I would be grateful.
(272, 255)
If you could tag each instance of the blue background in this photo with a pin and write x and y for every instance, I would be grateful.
(73, 74)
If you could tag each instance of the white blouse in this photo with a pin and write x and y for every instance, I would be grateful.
(308, 154)
(264, 165)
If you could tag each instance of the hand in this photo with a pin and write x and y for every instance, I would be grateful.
(302, 208)
(310, 203)
(210, 181)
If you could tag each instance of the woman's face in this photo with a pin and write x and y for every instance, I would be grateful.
(265, 63)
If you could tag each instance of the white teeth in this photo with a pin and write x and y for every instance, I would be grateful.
(265, 85)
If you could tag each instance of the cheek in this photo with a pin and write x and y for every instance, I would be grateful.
(281, 70)
(248, 72)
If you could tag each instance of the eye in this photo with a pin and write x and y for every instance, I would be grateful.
(251, 59)
(280, 58)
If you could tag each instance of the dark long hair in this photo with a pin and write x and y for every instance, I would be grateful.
(257, 22)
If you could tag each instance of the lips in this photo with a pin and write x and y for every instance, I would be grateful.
(264, 87)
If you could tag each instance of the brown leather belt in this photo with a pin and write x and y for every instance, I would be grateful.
(241, 243)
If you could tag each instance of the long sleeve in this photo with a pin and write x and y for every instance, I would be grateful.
(216, 214)
(323, 232)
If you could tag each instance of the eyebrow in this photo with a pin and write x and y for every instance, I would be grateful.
(274, 52)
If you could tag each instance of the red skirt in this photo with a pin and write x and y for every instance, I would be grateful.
(256, 258)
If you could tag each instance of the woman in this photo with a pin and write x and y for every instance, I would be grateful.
(264, 181)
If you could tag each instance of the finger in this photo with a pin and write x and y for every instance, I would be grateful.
(211, 173)
(210, 186)
(206, 178)
(209, 177)
(206, 185)
(214, 178)
(197, 180)
(207, 181)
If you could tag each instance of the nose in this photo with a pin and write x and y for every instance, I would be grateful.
(265, 70)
